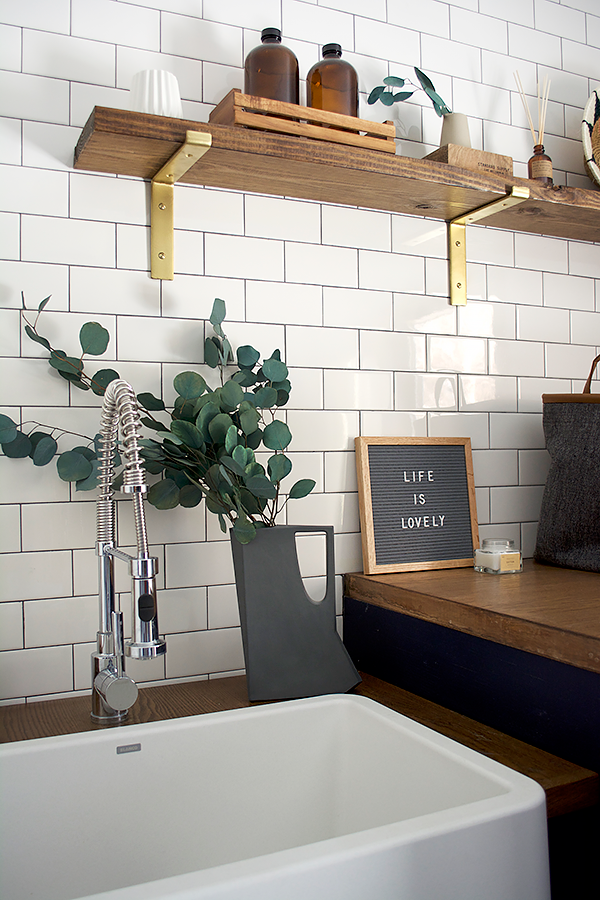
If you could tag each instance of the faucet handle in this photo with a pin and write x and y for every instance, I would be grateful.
(118, 692)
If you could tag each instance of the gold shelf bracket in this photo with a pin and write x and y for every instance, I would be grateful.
(161, 202)
(457, 240)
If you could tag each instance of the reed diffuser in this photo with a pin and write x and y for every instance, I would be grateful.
(539, 167)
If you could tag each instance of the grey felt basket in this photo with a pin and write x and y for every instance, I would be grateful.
(569, 527)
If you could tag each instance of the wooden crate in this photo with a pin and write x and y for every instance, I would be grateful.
(474, 160)
(289, 118)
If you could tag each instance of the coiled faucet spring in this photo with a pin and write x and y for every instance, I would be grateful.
(113, 691)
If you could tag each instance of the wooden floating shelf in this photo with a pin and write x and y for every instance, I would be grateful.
(122, 142)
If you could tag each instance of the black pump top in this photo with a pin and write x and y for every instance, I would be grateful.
(271, 34)
(332, 50)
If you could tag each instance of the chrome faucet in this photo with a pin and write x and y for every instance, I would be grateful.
(114, 692)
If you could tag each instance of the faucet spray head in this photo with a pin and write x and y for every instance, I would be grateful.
(145, 642)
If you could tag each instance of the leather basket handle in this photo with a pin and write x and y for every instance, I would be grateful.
(588, 385)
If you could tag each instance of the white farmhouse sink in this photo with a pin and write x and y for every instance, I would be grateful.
(333, 797)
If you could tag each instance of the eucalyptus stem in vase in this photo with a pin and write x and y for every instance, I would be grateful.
(206, 448)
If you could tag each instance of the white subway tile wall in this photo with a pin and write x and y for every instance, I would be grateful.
(355, 299)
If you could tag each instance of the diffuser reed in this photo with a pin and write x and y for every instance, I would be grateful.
(540, 165)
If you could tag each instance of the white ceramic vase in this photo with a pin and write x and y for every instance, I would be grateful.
(157, 92)
(455, 130)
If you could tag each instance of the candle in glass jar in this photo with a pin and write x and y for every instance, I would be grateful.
(498, 557)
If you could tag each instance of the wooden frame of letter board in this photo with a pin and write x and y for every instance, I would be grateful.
(367, 528)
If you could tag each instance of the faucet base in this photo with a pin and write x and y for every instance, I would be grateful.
(105, 719)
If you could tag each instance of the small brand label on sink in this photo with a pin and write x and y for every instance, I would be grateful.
(129, 748)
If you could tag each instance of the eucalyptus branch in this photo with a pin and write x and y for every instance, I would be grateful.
(59, 432)
(207, 449)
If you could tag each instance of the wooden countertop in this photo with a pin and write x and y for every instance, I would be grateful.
(568, 787)
(545, 610)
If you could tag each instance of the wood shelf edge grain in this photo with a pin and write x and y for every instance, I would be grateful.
(550, 612)
(568, 787)
(136, 144)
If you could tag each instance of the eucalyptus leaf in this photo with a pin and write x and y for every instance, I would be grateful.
(86, 451)
(218, 312)
(19, 447)
(8, 429)
(265, 397)
(102, 379)
(73, 466)
(169, 436)
(189, 385)
(249, 420)
(387, 99)
(225, 475)
(91, 482)
(278, 467)
(274, 369)
(204, 417)
(190, 496)
(232, 394)
(43, 304)
(213, 502)
(244, 530)
(211, 353)
(150, 423)
(277, 435)
(93, 338)
(44, 450)
(150, 402)
(394, 81)
(254, 468)
(59, 360)
(438, 104)
(218, 427)
(177, 476)
(164, 494)
(375, 94)
(188, 433)
(243, 456)
(253, 505)
(301, 488)
(226, 352)
(222, 524)
(232, 465)
(231, 439)
(260, 486)
(254, 440)
(75, 378)
(424, 80)
(247, 356)
(245, 377)
(152, 467)
(37, 337)
(401, 95)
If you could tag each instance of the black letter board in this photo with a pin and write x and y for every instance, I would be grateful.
(417, 503)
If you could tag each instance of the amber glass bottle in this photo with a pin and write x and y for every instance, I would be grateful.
(539, 166)
(271, 70)
(332, 83)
